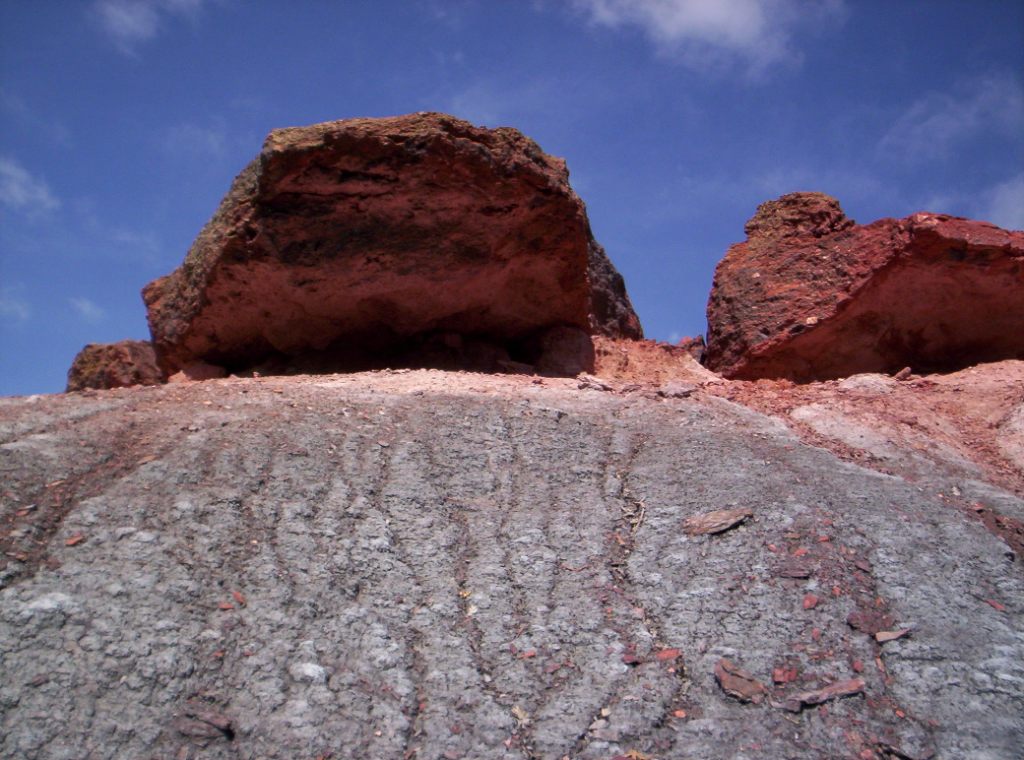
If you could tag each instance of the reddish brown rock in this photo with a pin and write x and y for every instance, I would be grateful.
(356, 243)
(114, 365)
(810, 295)
(197, 372)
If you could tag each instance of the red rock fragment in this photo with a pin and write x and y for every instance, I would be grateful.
(869, 621)
(810, 601)
(114, 365)
(74, 540)
(785, 675)
(798, 701)
(738, 683)
(717, 521)
(996, 605)
(668, 654)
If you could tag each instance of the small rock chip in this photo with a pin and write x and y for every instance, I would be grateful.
(785, 675)
(718, 521)
(903, 374)
(75, 539)
(794, 569)
(589, 382)
(668, 654)
(883, 636)
(818, 696)
(738, 683)
(810, 601)
(869, 621)
(676, 390)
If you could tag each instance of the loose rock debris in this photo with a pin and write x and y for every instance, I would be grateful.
(738, 683)
(835, 690)
(883, 636)
(718, 521)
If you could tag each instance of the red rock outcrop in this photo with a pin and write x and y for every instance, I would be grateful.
(114, 365)
(810, 295)
(369, 242)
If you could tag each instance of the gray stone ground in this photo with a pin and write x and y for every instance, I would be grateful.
(315, 568)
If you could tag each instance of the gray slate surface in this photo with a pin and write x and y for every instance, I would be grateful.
(471, 574)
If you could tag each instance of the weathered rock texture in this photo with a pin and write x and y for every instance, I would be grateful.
(114, 365)
(366, 242)
(811, 295)
(435, 565)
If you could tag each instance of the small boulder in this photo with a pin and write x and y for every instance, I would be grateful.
(351, 244)
(114, 365)
(811, 295)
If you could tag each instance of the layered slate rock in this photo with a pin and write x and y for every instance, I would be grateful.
(114, 365)
(811, 295)
(370, 242)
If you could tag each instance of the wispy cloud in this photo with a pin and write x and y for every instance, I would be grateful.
(21, 113)
(195, 140)
(935, 124)
(712, 34)
(13, 306)
(1006, 204)
(86, 309)
(21, 191)
(132, 22)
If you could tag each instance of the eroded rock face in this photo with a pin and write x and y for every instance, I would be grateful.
(114, 365)
(811, 295)
(357, 243)
(421, 564)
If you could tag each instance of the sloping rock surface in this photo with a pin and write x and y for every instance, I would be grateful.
(431, 565)
(811, 296)
(114, 365)
(356, 243)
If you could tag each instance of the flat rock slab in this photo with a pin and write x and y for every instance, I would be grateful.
(432, 565)
(345, 243)
(811, 296)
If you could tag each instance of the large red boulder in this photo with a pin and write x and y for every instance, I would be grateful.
(372, 241)
(114, 365)
(810, 295)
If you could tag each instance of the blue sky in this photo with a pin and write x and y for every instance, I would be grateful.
(124, 122)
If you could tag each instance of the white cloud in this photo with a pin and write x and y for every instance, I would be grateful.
(12, 306)
(87, 310)
(21, 191)
(715, 33)
(1006, 204)
(936, 123)
(132, 22)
